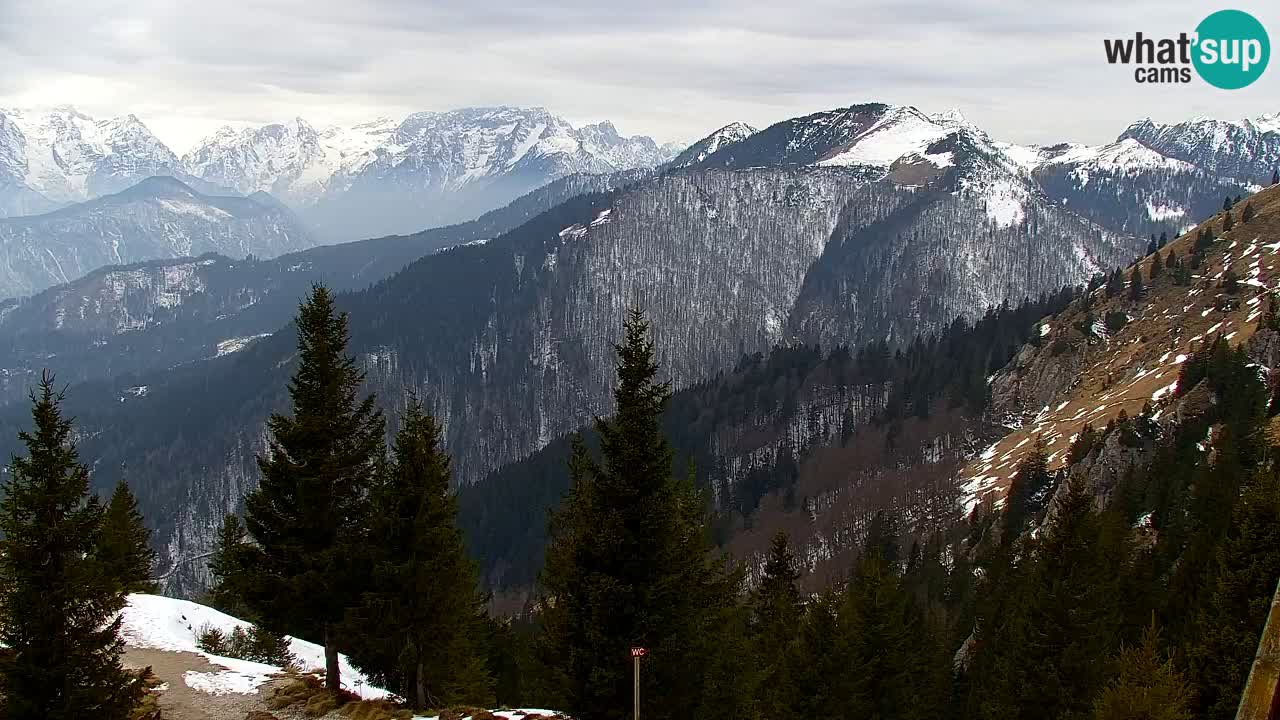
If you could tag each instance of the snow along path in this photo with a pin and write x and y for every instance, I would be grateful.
(161, 623)
(178, 700)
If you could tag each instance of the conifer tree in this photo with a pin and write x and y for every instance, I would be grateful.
(229, 568)
(307, 515)
(892, 671)
(1027, 492)
(1157, 266)
(776, 611)
(1043, 653)
(1227, 221)
(58, 604)
(1226, 203)
(821, 677)
(629, 563)
(1275, 177)
(416, 630)
(1115, 283)
(1147, 686)
(1164, 240)
(124, 544)
(1135, 283)
(1228, 631)
(1153, 245)
(1247, 215)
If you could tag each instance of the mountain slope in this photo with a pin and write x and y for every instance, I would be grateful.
(1108, 355)
(509, 341)
(156, 314)
(157, 218)
(1129, 187)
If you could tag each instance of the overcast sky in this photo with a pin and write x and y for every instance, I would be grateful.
(1029, 72)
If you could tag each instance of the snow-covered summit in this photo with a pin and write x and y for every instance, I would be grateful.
(730, 134)
(67, 156)
(448, 149)
(1126, 156)
(1247, 150)
(901, 132)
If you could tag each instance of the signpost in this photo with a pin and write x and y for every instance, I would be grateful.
(636, 654)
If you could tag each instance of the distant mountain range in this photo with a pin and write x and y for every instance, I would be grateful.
(376, 178)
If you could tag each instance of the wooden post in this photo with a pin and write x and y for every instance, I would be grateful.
(1262, 690)
(636, 654)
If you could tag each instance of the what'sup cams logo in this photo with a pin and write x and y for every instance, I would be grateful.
(1228, 50)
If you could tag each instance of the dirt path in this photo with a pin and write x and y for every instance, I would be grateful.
(180, 702)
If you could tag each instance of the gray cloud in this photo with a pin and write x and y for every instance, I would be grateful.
(1028, 71)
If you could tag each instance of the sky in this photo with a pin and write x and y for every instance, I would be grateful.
(1029, 72)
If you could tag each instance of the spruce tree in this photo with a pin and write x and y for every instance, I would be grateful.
(1226, 203)
(1227, 222)
(1157, 266)
(1146, 687)
(1247, 215)
(1044, 643)
(629, 564)
(893, 673)
(124, 545)
(1248, 563)
(1275, 177)
(230, 569)
(1115, 283)
(776, 611)
(59, 606)
(416, 631)
(1135, 283)
(1027, 492)
(1164, 240)
(308, 514)
(821, 679)
(1153, 245)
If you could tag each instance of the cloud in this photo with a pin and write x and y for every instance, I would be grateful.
(1030, 71)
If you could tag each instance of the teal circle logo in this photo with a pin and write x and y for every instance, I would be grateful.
(1232, 49)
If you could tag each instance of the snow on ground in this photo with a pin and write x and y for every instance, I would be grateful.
(900, 132)
(516, 714)
(236, 344)
(161, 623)
(1004, 203)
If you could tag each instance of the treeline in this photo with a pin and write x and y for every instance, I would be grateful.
(1077, 600)
(502, 516)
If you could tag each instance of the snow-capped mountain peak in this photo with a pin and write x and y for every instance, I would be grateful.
(67, 156)
(900, 132)
(450, 149)
(731, 134)
(1244, 150)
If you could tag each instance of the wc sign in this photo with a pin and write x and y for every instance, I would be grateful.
(1229, 50)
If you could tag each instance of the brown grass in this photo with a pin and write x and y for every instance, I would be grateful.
(1170, 321)
(376, 710)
